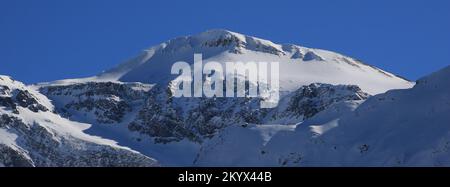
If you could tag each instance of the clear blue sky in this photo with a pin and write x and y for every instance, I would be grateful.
(54, 39)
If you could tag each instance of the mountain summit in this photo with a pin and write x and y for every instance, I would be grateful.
(298, 65)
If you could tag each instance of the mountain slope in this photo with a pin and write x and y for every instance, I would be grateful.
(245, 145)
(298, 65)
(31, 134)
(399, 128)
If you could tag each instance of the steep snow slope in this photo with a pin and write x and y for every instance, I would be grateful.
(399, 128)
(253, 145)
(32, 135)
(239, 145)
(298, 65)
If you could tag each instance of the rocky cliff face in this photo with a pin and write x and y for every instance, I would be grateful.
(21, 98)
(38, 146)
(160, 116)
(105, 102)
(309, 100)
(31, 135)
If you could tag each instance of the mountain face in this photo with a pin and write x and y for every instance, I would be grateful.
(133, 104)
(298, 65)
(32, 134)
(407, 127)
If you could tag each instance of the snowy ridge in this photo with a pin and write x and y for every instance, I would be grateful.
(298, 65)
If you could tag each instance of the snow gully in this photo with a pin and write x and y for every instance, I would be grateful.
(249, 79)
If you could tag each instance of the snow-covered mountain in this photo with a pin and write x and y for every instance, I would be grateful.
(32, 134)
(298, 65)
(409, 127)
(133, 103)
